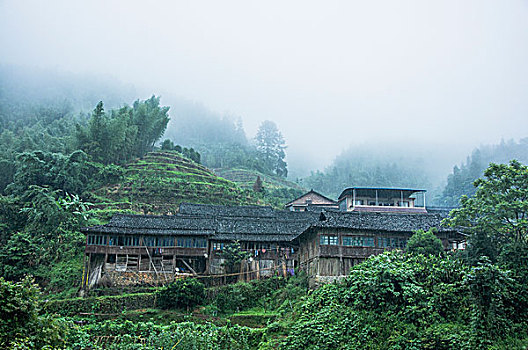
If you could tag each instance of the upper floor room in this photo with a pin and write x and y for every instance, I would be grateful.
(380, 199)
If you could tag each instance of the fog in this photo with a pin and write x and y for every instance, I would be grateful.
(440, 78)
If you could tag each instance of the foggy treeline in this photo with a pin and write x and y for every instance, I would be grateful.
(222, 140)
(40, 110)
(378, 166)
(369, 166)
(460, 181)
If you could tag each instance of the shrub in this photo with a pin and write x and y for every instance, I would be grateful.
(105, 304)
(425, 243)
(21, 326)
(183, 293)
(245, 295)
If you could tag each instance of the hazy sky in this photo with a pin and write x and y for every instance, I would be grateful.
(450, 74)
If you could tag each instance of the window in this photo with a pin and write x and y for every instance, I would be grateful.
(192, 243)
(116, 240)
(131, 241)
(402, 243)
(383, 242)
(368, 241)
(358, 241)
(113, 240)
(358, 202)
(218, 246)
(149, 241)
(353, 241)
(329, 240)
(201, 243)
(403, 204)
(96, 240)
(392, 242)
(166, 241)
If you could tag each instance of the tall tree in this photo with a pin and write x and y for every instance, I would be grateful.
(151, 121)
(497, 215)
(122, 134)
(270, 146)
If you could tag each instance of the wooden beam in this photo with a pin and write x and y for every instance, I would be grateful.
(188, 266)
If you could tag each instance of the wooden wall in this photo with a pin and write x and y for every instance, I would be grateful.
(337, 260)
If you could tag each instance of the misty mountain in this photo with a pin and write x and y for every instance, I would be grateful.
(460, 181)
(370, 165)
(222, 141)
(24, 90)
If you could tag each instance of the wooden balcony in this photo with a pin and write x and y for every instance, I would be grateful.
(153, 251)
(387, 209)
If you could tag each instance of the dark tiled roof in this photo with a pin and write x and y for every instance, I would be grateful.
(222, 223)
(265, 225)
(394, 222)
(440, 210)
(153, 224)
(282, 227)
(224, 210)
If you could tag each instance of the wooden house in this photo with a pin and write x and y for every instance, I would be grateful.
(316, 236)
(340, 240)
(311, 199)
(137, 249)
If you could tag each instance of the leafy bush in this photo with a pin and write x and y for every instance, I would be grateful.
(426, 243)
(407, 301)
(21, 326)
(245, 295)
(492, 301)
(105, 304)
(149, 336)
(183, 293)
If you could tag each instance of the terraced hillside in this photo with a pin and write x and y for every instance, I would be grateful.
(162, 180)
(277, 191)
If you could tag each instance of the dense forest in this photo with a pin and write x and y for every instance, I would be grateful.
(51, 162)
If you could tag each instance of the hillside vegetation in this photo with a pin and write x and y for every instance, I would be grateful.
(276, 190)
(161, 180)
